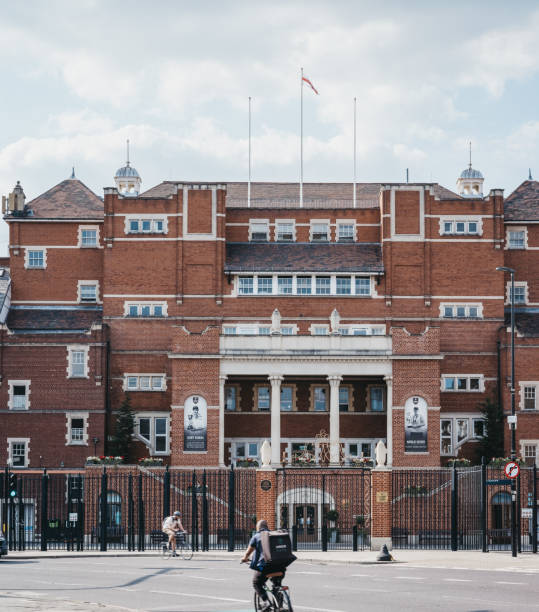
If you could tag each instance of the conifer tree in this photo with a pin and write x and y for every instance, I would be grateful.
(491, 444)
(125, 424)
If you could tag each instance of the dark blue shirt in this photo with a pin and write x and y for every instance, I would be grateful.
(257, 560)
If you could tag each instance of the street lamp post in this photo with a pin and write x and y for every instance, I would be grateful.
(514, 534)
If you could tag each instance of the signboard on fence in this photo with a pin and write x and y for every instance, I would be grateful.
(195, 424)
(415, 425)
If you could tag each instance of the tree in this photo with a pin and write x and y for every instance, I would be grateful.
(491, 444)
(125, 425)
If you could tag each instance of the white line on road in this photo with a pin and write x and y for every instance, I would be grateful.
(200, 596)
(311, 573)
(503, 582)
(204, 578)
(409, 577)
(457, 579)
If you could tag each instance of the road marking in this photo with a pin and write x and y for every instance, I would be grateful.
(311, 573)
(409, 577)
(457, 579)
(200, 596)
(503, 582)
(204, 578)
(359, 575)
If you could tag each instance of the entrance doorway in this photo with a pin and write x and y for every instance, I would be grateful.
(306, 522)
(501, 518)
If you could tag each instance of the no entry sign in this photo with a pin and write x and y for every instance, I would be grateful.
(511, 469)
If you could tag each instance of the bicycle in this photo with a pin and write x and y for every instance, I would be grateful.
(278, 596)
(183, 550)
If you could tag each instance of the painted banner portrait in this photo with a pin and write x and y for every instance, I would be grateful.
(195, 424)
(415, 425)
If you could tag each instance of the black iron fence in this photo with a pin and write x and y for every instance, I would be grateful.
(111, 509)
(463, 508)
(325, 509)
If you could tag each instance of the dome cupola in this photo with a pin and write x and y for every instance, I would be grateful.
(470, 181)
(127, 179)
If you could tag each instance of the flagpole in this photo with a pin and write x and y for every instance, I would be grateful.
(355, 165)
(301, 147)
(249, 181)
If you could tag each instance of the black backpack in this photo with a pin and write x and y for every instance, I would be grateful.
(276, 549)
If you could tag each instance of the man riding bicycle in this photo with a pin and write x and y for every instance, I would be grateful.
(171, 526)
(257, 564)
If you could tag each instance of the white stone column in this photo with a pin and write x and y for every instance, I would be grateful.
(275, 382)
(334, 416)
(389, 427)
(222, 381)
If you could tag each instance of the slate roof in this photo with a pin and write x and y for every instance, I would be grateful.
(299, 257)
(52, 320)
(70, 199)
(527, 323)
(523, 203)
(286, 195)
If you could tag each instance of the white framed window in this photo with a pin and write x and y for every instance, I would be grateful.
(288, 398)
(461, 226)
(77, 361)
(360, 449)
(146, 224)
(19, 452)
(375, 398)
(246, 330)
(346, 231)
(363, 285)
(88, 236)
(461, 311)
(463, 383)
(145, 382)
(77, 429)
(232, 398)
(154, 430)
(289, 330)
(258, 230)
(285, 230)
(344, 285)
(319, 330)
(323, 285)
(304, 285)
(18, 394)
(345, 398)
(145, 309)
(35, 258)
(362, 330)
(264, 285)
(284, 285)
(521, 292)
(528, 395)
(319, 231)
(88, 291)
(262, 398)
(479, 428)
(446, 436)
(319, 398)
(516, 238)
(242, 450)
(246, 285)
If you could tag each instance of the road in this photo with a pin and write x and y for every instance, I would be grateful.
(111, 584)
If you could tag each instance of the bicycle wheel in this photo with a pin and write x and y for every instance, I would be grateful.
(258, 602)
(184, 551)
(286, 605)
(165, 551)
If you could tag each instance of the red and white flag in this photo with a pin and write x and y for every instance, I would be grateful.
(304, 78)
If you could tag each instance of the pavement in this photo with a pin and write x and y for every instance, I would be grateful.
(442, 559)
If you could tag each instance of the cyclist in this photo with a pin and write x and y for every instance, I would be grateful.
(171, 526)
(257, 564)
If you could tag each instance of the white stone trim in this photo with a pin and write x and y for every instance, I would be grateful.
(138, 388)
(466, 305)
(145, 217)
(528, 383)
(88, 246)
(139, 304)
(319, 221)
(77, 415)
(88, 282)
(516, 228)
(461, 219)
(408, 237)
(346, 222)
(152, 416)
(27, 257)
(85, 348)
(13, 383)
(26, 441)
(523, 443)
(481, 378)
(192, 236)
(281, 222)
(517, 284)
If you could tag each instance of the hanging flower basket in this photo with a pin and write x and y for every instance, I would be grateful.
(150, 461)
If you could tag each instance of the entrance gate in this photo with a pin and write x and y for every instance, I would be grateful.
(325, 509)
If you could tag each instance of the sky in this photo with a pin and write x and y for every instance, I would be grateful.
(80, 78)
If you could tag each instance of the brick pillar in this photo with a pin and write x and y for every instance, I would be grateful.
(381, 495)
(266, 496)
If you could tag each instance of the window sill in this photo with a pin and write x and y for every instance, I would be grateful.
(77, 443)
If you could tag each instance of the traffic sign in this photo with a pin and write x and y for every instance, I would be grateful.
(511, 469)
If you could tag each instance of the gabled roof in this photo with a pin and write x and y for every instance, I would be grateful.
(303, 257)
(523, 203)
(70, 199)
(52, 319)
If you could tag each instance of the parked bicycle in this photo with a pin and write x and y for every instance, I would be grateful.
(278, 596)
(183, 550)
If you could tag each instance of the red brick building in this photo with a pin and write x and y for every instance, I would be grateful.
(322, 326)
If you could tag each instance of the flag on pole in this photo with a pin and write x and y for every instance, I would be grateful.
(304, 78)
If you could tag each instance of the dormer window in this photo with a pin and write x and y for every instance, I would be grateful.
(258, 230)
